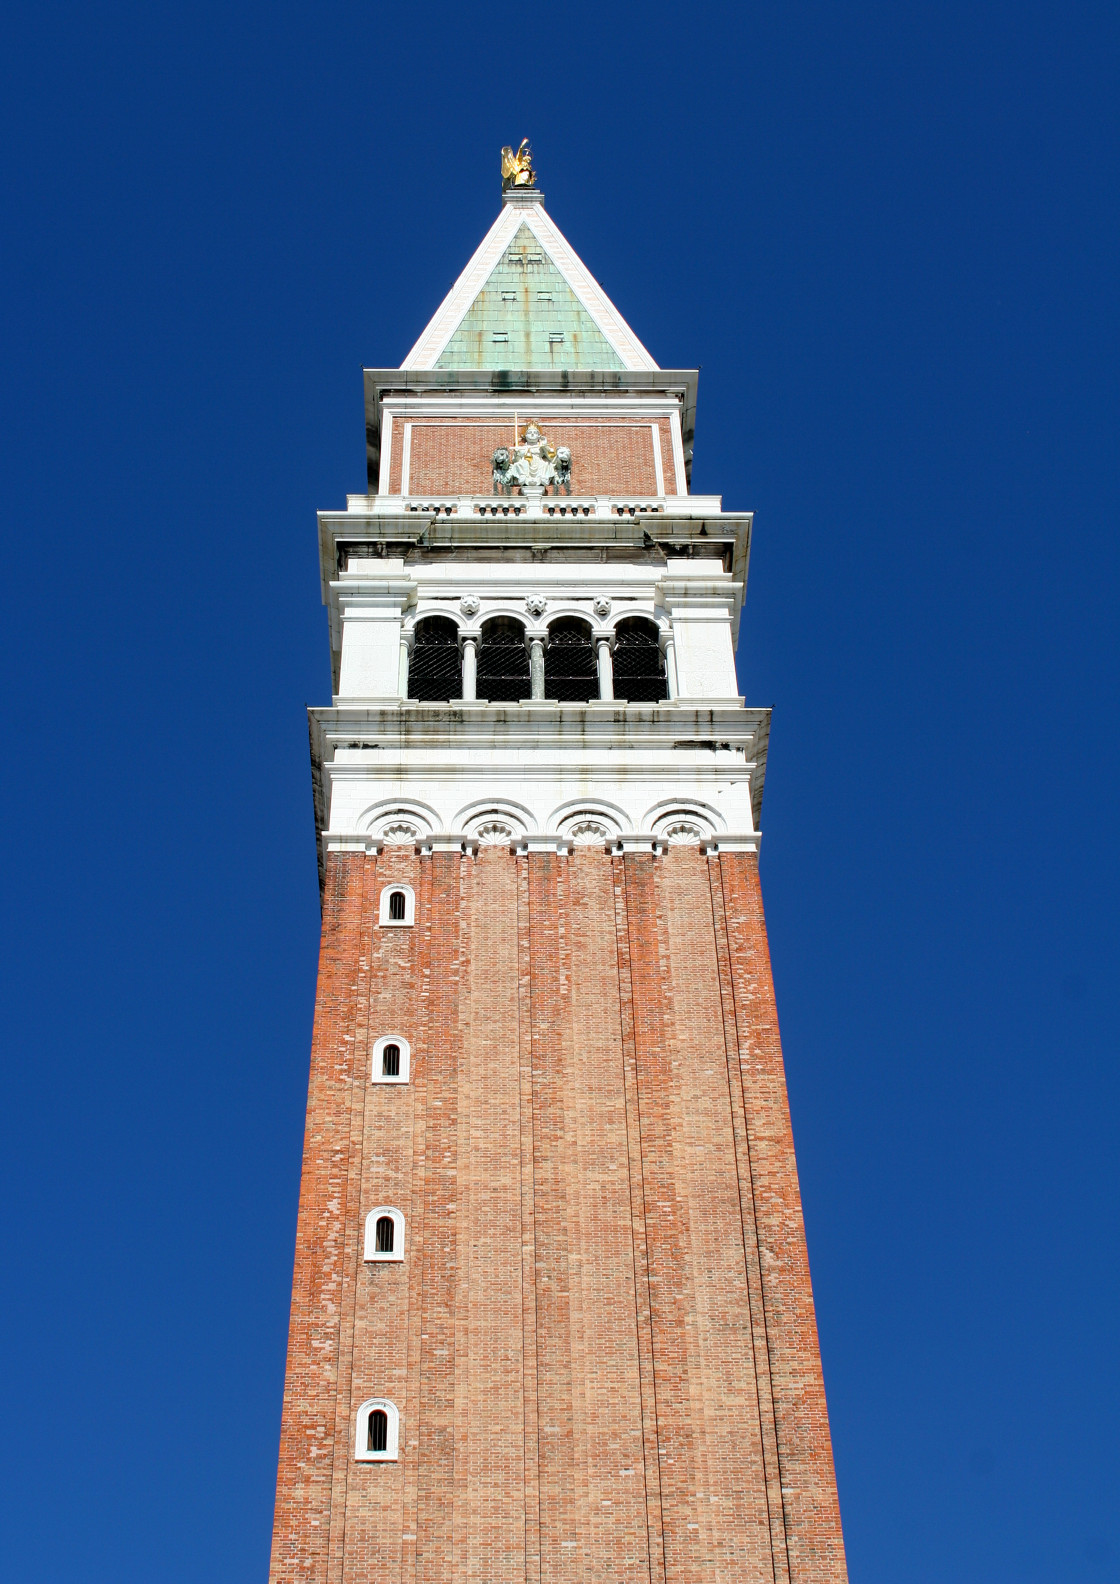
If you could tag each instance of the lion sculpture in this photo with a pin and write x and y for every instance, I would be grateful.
(499, 462)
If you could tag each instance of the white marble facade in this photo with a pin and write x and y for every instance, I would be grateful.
(472, 772)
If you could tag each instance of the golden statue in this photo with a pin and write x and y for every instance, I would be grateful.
(517, 169)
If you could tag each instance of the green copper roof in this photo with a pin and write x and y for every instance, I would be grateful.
(527, 317)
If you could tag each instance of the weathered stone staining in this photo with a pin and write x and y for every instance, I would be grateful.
(546, 1057)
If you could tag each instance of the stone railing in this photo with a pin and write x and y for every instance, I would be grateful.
(603, 506)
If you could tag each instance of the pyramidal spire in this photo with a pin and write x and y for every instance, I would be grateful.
(526, 300)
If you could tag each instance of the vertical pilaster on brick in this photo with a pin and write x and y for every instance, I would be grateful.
(419, 1234)
(528, 1227)
(356, 1085)
(812, 1514)
(490, 1463)
(666, 1222)
(768, 1433)
(308, 1443)
(639, 1252)
(436, 1411)
(560, 1536)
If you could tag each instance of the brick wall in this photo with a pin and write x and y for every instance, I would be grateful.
(609, 456)
(601, 1339)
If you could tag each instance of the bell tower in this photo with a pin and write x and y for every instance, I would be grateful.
(551, 1314)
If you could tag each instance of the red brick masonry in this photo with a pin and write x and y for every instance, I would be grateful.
(601, 1340)
(610, 456)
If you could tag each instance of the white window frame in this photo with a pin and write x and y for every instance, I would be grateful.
(371, 1252)
(377, 1076)
(362, 1454)
(409, 906)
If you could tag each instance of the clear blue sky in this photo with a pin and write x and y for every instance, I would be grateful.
(888, 233)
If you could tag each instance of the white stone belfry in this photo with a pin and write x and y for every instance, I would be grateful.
(533, 621)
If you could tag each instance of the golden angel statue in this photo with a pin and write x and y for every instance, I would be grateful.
(517, 169)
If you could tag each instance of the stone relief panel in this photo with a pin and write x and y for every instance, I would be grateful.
(588, 824)
(493, 823)
(397, 823)
(683, 824)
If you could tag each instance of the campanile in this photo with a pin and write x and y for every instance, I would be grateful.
(551, 1314)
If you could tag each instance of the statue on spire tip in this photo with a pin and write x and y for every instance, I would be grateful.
(517, 169)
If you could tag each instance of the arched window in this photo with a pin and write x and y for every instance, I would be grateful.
(397, 905)
(639, 670)
(377, 1432)
(390, 1060)
(435, 675)
(383, 1238)
(570, 671)
(503, 662)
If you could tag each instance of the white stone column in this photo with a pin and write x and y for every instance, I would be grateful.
(402, 675)
(606, 667)
(670, 667)
(536, 664)
(470, 669)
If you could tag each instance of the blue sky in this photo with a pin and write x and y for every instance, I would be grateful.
(889, 236)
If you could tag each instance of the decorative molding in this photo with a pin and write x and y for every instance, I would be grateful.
(401, 833)
(398, 822)
(680, 820)
(683, 833)
(495, 833)
(590, 832)
(747, 841)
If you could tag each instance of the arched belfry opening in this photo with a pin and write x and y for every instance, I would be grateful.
(435, 673)
(639, 669)
(570, 672)
(503, 661)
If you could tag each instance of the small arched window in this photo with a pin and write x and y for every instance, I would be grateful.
(377, 1432)
(397, 906)
(390, 1060)
(384, 1235)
